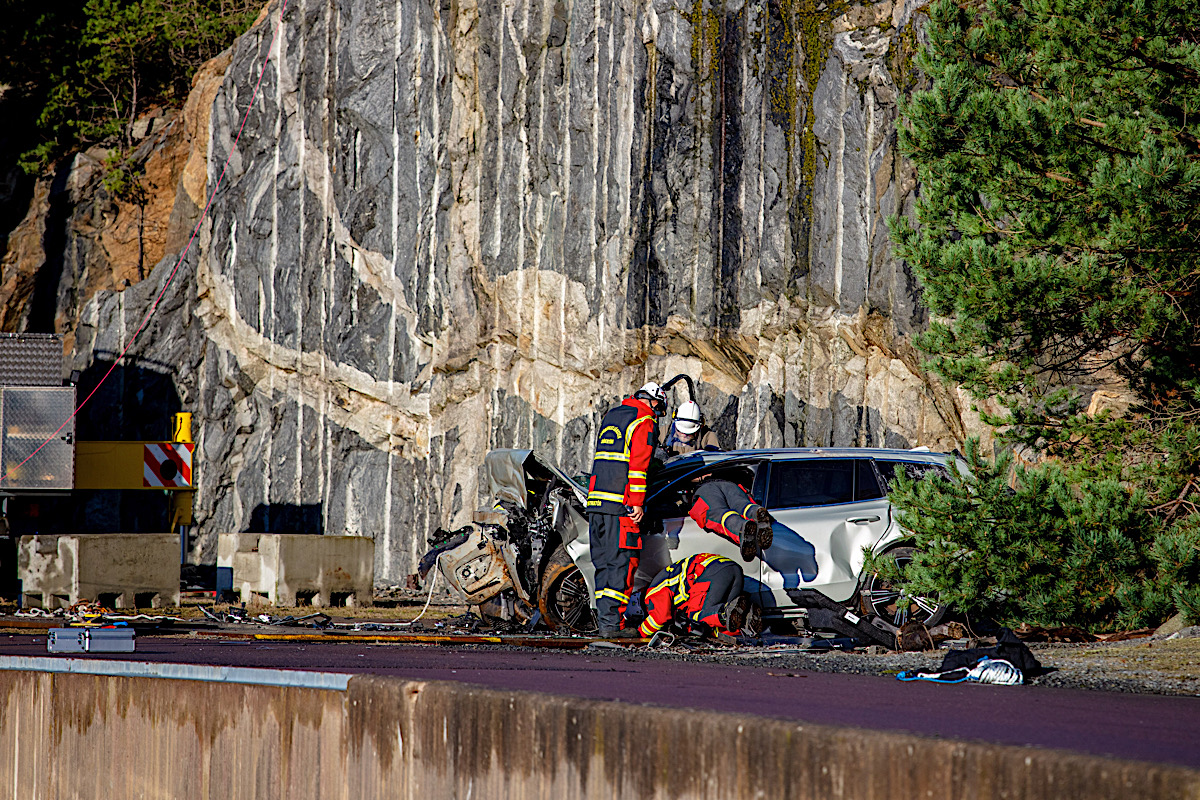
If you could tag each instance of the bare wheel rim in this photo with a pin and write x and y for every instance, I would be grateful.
(896, 606)
(570, 602)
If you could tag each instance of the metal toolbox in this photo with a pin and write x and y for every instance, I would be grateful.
(110, 640)
(90, 640)
(66, 640)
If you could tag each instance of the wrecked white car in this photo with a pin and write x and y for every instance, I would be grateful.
(528, 555)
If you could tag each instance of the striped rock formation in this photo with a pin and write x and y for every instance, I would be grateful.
(454, 226)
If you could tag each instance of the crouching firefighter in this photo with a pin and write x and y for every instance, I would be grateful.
(616, 494)
(703, 592)
(728, 510)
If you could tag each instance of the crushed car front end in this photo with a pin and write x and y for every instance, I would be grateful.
(531, 526)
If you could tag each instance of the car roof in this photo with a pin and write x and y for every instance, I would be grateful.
(689, 463)
(891, 454)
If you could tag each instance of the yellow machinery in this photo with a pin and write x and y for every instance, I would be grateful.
(40, 456)
(161, 466)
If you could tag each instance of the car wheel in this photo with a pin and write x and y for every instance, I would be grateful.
(563, 596)
(881, 598)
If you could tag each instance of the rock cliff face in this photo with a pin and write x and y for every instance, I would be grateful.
(453, 225)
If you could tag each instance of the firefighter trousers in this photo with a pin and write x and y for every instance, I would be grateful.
(719, 583)
(615, 567)
(725, 507)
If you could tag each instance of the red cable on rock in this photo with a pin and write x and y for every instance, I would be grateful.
(182, 256)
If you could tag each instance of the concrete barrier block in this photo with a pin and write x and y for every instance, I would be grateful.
(46, 570)
(118, 570)
(287, 569)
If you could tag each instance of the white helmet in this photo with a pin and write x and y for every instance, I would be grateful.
(687, 417)
(654, 395)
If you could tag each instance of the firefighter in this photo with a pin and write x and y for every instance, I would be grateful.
(703, 592)
(616, 494)
(728, 510)
(688, 432)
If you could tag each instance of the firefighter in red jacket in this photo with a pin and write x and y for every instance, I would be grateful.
(616, 494)
(728, 510)
(703, 591)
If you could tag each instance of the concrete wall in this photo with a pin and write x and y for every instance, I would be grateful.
(86, 736)
(286, 569)
(121, 570)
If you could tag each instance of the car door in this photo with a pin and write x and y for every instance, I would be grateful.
(680, 536)
(826, 510)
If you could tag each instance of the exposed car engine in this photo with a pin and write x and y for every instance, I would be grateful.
(499, 562)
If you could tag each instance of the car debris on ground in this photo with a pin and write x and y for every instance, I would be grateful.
(1166, 661)
(1007, 663)
(86, 613)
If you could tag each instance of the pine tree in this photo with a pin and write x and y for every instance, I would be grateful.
(1045, 553)
(1058, 241)
(90, 68)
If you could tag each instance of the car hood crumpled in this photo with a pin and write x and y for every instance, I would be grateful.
(506, 470)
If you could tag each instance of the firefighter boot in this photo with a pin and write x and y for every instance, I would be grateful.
(766, 536)
(753, 624)
(733, 614)
(749, 540)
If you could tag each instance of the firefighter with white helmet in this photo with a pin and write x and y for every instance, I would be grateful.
(688, 432)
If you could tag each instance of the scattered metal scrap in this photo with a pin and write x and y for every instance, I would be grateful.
(92, 615)
(467, 628)
(239, 615)
(1069, 633)
(472, 628)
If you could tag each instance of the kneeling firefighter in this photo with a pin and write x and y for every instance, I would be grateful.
(703, 592)
(616, 494)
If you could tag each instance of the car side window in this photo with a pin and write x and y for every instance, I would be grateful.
(811, 482)
(675, 499)
(913, 470)
(672, 501)
(866, 485)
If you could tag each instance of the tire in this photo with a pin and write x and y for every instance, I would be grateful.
(880, 598)
(563, 596)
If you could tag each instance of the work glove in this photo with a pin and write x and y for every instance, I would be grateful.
(635, 611)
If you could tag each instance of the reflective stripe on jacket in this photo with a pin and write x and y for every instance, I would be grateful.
(672, 590)
(623, 450)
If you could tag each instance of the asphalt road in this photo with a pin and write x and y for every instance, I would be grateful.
(1142, 727)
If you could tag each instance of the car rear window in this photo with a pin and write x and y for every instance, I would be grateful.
(914, 470)
(812, 482)
(866, 485)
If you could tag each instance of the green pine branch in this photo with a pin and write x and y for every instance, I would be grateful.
(1057, 238)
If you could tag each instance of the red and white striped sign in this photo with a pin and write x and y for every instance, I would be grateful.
(167, 464)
